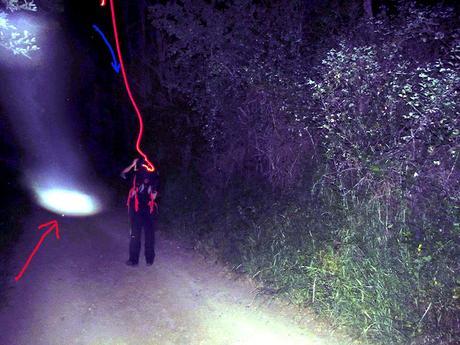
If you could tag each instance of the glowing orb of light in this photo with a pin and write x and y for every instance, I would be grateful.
(65, 201)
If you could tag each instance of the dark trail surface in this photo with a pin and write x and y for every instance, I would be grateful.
(79, 291)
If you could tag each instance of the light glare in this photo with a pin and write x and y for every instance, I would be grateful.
(238, 326)
(66, 201)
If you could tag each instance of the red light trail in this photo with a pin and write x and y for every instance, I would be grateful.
(149, 166)
(53, 225)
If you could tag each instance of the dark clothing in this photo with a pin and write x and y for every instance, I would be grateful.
(143, 185)
(143, 211)
(139, 221)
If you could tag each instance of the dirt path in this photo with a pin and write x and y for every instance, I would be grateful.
(79, 291)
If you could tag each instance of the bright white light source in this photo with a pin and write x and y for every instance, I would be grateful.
(19, 34)
(68, 202)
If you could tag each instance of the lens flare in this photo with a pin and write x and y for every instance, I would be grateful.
(66, 201)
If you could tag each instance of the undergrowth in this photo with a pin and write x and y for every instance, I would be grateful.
(338, 258)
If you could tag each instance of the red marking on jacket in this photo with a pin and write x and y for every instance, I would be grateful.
(133, 193)
(152, 203)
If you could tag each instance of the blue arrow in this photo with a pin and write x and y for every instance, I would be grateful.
(115, 64)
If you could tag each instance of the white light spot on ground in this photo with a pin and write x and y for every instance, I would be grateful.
(241, 327)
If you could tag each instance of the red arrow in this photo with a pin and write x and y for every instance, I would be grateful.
(52, 225)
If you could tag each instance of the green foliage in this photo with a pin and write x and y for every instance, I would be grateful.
(337, 263)
(240, 70)
(373, 241)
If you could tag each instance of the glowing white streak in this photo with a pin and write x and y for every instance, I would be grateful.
(65, 201)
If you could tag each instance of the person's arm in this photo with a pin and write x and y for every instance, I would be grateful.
(156, 186)
(128, 168)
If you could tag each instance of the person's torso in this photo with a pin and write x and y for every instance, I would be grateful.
(143, 187)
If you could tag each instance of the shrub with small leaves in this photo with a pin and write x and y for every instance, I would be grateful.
(19, 42)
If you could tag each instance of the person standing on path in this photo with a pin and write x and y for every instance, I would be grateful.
(142, 210)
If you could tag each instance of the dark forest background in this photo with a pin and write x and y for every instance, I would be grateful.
(312, 145)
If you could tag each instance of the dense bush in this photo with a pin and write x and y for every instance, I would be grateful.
(390, 132)
(241, 70)
(334, 182)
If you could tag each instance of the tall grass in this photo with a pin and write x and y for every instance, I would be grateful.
(354, 262)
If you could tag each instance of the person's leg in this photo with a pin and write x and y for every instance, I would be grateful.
(149, 231)
(135, 239)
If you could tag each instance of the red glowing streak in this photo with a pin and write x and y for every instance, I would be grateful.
(102, 2)
(52, 225)
(149, 166)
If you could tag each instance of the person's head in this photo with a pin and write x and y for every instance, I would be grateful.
(139, 163)
(144, 175)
